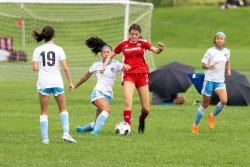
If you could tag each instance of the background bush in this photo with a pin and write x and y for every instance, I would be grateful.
(182, 2)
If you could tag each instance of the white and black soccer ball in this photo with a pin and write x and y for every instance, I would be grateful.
(122, 128)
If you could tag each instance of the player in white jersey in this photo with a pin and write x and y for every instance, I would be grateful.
(102, 92)
(215, 60)
(47, 59)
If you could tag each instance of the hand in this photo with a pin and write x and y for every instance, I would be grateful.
(212, 67)
(71, 87)
(126, 67)
(160, 46)
(229, 73)
(102, 70)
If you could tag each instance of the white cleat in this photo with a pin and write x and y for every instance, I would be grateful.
(45, 141)
(68, 138)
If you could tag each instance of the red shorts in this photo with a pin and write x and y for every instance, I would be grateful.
(139, 79)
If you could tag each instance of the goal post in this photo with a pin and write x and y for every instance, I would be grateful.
(74, 21)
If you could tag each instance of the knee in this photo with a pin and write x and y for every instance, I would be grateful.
(205, 105)
(223, 102)
(106, 108)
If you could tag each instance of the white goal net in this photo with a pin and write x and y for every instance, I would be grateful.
(74, 21)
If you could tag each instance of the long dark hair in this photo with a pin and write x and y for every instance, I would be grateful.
(96, 44)
(47, 34)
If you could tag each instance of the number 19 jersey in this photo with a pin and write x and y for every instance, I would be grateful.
(48, 56)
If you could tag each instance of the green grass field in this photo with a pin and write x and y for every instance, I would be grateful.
(168, 141)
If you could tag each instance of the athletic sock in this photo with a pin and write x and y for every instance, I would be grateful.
(199, 115)
(44, 126)
(64, 116)
(219, 107)
(100, 121)
(143, 116)
(88, 127)
(127, 114)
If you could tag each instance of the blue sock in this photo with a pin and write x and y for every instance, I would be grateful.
(88, 127)
(64, 116)
(44, 126)
(101, 120)
(199, 115)
(218, 109)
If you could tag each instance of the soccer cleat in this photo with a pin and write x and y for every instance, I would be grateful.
(68, 138)
(95, 132)
(141, 127)
(211, 120)
(79, 129)
(195, 129)
(45, 141)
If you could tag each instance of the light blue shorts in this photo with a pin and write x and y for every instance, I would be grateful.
(210, 86)
(96, 94)
(55, 91)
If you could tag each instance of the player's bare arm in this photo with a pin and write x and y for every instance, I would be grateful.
(35, 66)
(228, 67)
(126, 67)
(83, 79)
(108, 59)
(159, 49)
(67, 74)
(208, 67)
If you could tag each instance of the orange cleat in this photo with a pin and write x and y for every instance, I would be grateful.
(195, 129)
(211, 120)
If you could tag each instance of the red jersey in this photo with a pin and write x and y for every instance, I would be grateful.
(134, 55)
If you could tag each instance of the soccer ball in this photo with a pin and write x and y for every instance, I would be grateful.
(122, 128)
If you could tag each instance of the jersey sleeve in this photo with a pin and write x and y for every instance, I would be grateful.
(93, 68)
(61, 54)
(118, 48)
(147, 45)
(35, 56)
(206, 57)
(228, 54)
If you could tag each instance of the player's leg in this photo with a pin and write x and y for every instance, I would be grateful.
(222, 93)
(144, 99)
(102, 113)
(89, 127)
(200, 112)
(64, 116)
(44, 102)
(206, 91)
(128, 91)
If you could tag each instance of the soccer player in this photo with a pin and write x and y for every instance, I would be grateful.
(133, 50)
(102, 92)
(46, 60)
(215, 60)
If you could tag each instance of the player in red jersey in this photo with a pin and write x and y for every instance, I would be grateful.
(133, 50)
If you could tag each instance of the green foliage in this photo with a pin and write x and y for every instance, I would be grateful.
(164, 2)
(182, 2)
